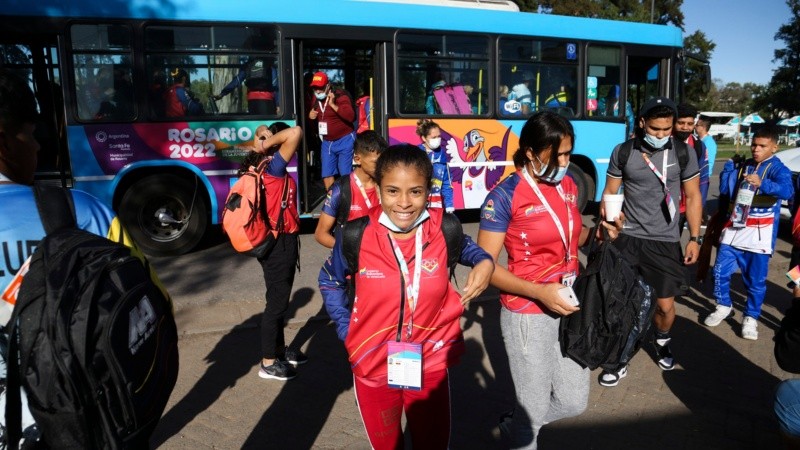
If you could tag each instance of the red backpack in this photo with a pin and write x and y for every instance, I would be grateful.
(245, 219)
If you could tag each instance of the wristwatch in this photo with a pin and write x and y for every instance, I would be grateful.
(698, 239)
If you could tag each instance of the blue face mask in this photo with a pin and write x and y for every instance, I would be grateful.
(655, 142)
(385, 221)
(320, 95)
(553, 179)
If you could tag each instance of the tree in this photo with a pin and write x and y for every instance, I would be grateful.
(662, 12)
(738, 98)
(694, 76)
(782, 96)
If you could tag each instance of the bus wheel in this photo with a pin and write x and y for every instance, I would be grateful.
(164, 214)
(585, 185)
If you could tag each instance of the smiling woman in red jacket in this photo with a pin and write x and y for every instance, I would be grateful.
(403, 331)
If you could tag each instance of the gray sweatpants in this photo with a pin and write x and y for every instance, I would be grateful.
(548, 386)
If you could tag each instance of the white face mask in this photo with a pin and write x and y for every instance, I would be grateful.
(434, 143)
(655, 142)
(555, 178)
(320, 95)
(385, 221)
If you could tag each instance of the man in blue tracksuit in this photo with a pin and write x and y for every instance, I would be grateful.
(750, 245)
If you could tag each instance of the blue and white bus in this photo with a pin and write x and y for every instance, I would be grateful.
(103, 73)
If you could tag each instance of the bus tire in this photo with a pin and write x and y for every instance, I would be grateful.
(585, 185)
(149, 206)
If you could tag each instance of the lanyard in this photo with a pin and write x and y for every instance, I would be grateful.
(363, 191)
(411, 285)
(322, 108)
(652, 167)
(565, 239)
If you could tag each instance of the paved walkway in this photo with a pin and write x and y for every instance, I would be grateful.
(718, 396)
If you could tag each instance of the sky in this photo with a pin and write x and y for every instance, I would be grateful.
(744, 31)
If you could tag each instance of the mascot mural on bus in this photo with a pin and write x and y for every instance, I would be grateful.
(488, 147)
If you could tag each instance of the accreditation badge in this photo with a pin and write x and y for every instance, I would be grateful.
(404, 365)
(323, 128)
(568, 279)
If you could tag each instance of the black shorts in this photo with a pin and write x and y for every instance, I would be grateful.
(659, 263)
(795, 257)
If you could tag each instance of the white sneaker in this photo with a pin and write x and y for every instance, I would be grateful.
(716, 317)
(749, 330)
(611, 379)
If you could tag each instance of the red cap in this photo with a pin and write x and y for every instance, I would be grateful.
(319, 80)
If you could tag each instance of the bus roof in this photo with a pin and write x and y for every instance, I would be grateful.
(359, 12)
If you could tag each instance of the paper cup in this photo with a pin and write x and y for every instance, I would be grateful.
(613, 205)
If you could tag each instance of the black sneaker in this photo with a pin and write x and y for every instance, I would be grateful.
(277, 371)
(294, 357)
(664, 355)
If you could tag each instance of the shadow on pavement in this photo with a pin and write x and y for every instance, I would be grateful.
(231, 359)
(298, 413)
(729, 397)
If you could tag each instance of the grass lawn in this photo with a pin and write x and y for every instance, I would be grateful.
(726, 149)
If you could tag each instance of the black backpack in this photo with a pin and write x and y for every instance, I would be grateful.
(92, 339)
(616, 309)
(345, 197)
(354, 230)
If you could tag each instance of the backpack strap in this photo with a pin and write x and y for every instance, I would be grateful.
(284, 204)
(56, 207)
(624, 154)
(681, 149)
(345, 198)
(453, 237)
(352, 232)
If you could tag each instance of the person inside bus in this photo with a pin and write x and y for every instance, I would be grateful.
(608, 105)
(260, 75)
(360, 188)
(472, 95)
(155, 93)
(98, 95)
(333, 111)
(405, 310)
(560, 101)
(431, 106)
(535, 210)
(123, 97)
(521, 92)
(506, 106)
(179, 101)
(441, 195)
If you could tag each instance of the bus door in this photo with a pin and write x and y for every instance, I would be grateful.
(35, 58)
(350, 65)
(647, 75)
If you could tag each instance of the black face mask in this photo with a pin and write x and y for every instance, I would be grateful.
(682, 135)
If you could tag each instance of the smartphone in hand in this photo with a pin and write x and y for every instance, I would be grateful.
(568, 295)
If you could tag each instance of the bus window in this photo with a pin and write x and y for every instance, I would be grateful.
(203, 70)
(604, 96)
(538, 75)
(103, 72)
(443, 74)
